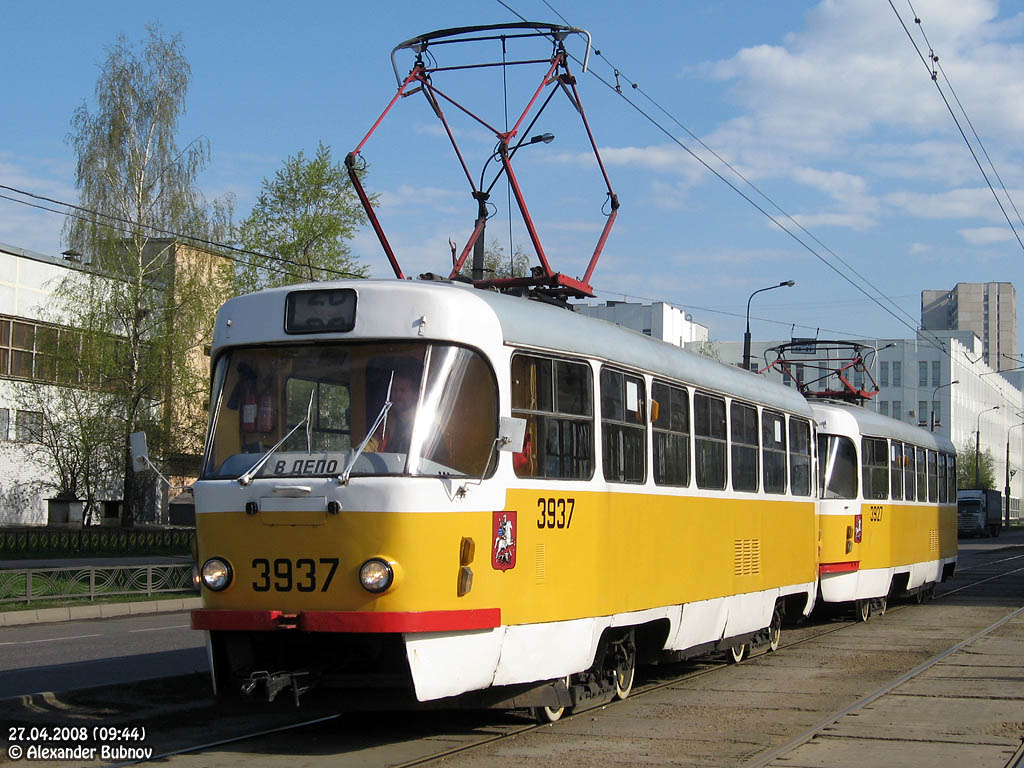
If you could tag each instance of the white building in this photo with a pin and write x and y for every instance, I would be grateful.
(658, 320)
(914, 379)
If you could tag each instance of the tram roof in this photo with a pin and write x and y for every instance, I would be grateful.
(836, 417)
(454, 311)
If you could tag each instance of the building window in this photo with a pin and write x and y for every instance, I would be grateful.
(897, 373)
(27, 350)
(556, 399)
(883, 374)
(744, 447)
(623, 426)
(922, 412)
(897, 409)
(922, 373)
(883, 407)
(5, 422)
(671, 435)
(937, 412)
(936, 373)
(28, 426)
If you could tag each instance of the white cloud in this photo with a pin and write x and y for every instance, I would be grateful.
(986, 235)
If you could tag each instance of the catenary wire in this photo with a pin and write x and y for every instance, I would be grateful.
(959, 127)
(781, 225)
(933, 341)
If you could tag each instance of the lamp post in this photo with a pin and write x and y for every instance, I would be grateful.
(977, 446)
(1007, 488)
(746, 335)
(954, 381)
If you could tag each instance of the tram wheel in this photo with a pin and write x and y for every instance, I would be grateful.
(775, 631)
(739, 652)
(544, 715)
(919, 595)
(881, 605)
(862, 609)
(625, 667)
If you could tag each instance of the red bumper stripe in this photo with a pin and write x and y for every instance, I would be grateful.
(839, 567)
(347, 621)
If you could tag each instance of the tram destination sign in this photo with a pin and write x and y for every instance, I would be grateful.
(804, 346)
(320, 311)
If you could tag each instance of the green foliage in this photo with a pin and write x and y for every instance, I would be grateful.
(143, 312)
(306, 215)
(965, 463)
(497, 264)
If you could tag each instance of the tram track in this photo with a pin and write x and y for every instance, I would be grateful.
(707, 668)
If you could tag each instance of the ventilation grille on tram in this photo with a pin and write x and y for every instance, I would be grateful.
(746, 557)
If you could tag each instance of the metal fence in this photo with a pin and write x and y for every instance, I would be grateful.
(31, 584)
(49, 540)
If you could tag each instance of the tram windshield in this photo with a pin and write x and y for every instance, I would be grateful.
(837, 467)
(442, 421)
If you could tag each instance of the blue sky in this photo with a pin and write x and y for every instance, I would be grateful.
(824, 105)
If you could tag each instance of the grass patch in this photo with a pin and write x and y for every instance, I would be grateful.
(36, 605)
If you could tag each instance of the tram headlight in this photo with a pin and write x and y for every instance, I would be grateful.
(376, 575)
(216, 574)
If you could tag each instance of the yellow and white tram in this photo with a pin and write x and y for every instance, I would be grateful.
(559, 497)
(888, 507)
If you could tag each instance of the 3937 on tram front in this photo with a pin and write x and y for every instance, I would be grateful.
(416, 492)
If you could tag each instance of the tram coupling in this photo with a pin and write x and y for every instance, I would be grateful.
(273, 683)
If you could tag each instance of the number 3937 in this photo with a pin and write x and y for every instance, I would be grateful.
(555, 513)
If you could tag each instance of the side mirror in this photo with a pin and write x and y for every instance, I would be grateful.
(140, 453)
(511, 433)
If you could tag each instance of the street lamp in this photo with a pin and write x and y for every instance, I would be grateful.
(954, 381)
(1007, 488)
(746, 336)
(977, 446)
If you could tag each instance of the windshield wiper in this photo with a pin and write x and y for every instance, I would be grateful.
(381, 417)
(247, 477)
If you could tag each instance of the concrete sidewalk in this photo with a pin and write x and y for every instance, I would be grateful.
(97, 611)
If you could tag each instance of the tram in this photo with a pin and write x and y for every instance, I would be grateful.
(567, 496)
(887, 508)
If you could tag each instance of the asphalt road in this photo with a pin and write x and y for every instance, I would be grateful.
(81, 654)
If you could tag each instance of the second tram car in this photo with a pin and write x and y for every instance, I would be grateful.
(433, 491)
(888, 507)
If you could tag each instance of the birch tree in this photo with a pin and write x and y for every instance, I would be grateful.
(142, 312)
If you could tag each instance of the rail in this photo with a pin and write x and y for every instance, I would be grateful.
(92, 582)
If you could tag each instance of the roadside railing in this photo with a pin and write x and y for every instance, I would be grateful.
(92, 582)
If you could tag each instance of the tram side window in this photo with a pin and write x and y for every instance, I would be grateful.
(623, 427)
(556, 399)
(896, 469)
(744, 446)
(910, 474)
(942, 478)
(671, 434)
(873, 454)
(837, 467)
(933, 477)
(800, 457)
(951, 479)
(709, 443)
(773, 440)
(922, 474)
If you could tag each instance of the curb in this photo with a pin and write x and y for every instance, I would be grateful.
(97, 611)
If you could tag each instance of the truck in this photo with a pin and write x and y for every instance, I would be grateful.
(979, 512)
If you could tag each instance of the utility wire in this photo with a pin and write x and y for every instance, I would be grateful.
(158, 230)
(955, 120)
(935, 60)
